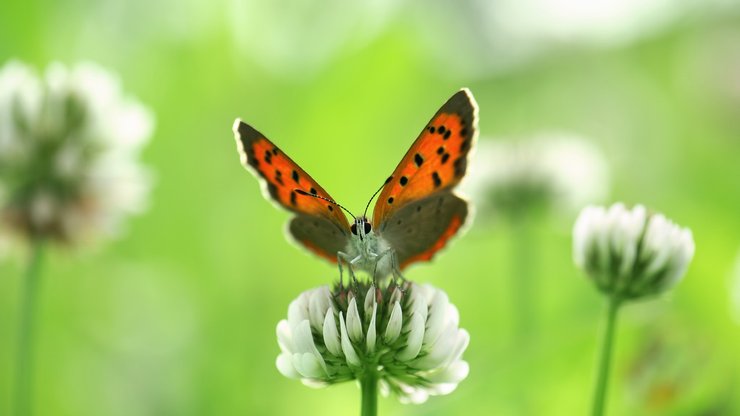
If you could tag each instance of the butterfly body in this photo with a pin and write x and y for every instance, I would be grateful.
(368, 251)
(415, 215)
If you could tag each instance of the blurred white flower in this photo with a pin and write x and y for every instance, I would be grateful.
(580, 21)
(558, 171)
(630, 253)
(69, 147)
(410, 338)
(481, 37)
(296, 38)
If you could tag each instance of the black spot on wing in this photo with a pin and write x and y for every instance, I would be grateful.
(436, 179)
(418, 159)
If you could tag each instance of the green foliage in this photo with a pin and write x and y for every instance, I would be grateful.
(178, 317)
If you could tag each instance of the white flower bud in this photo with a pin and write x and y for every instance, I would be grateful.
(371, 332)
(419, 352)
(630, 253)
(354, 322)
(347, 348)
(394, 324)
(331, 335)
(369, 301)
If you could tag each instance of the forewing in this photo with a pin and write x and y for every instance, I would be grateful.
(421, 228)
(281, 177)
(321, 236)
(436, 161)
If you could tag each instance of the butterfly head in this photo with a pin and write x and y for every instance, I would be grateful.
(361, 227)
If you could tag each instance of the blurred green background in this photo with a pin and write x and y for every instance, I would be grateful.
(178, 317)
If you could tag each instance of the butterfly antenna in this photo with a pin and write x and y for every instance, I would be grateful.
(364, 214)
(302, 192)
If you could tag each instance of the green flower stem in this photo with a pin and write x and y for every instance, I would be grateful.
(369, 386)
(523, 275)
(523, 298)
(602, 377)
(24, 361)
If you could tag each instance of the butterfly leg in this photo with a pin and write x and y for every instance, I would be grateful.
(352, 264)
(344, 257)
(376, 258)
(341, 271)
(395, 269)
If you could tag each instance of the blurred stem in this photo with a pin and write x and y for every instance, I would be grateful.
(523, 285)
(602, 377)
(24, 361)
(369, 385)
(524, 297)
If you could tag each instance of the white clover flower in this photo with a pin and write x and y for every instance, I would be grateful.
(630, 253)
(409, 337)
(557, 171)
(69, 144)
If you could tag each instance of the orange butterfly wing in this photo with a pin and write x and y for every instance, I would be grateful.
(435, 163)
(282, 180)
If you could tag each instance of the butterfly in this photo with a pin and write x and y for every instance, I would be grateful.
(415, 215)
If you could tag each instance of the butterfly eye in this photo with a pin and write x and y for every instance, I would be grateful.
(353, 228)
(367, 227)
